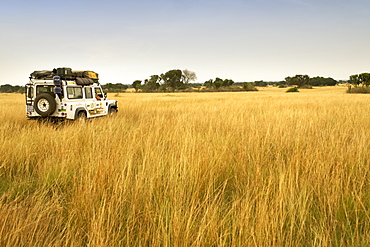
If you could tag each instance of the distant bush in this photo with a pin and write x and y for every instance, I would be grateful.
(358, 89)
(115, 88)
(292, 90)
(249, 86)
(306, 87)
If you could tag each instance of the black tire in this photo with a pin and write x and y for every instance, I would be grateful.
(112, 111)
(81, 116)
(45, 105)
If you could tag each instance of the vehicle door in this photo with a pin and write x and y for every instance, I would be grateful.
(29, 98)
(29, 94)
(75, 99)
(100, 101)
(90, 100)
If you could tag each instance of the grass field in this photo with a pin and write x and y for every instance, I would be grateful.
(264, 168)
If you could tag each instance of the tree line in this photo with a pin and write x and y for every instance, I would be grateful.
(178, 80)
(7, 88)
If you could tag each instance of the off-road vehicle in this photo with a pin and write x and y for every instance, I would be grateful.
(65, 94)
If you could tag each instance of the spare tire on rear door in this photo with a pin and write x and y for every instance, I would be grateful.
(45, 105)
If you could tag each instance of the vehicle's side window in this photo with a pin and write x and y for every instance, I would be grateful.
(99, 92)
(88, 93)
(74, 93)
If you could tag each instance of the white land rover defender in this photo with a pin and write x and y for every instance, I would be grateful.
(66, 94)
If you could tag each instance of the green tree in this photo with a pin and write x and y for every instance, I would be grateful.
(152, 83)
(136, 85)
(299, 80)
(173, 79)
(218, 83)
(364, 78)
(354, 79)
(208, 83)
(321, 81)
(330, 82)
(289, 80)
(227, 83)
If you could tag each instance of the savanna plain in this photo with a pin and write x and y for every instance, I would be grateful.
(265, 168)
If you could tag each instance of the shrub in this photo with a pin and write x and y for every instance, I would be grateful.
(249, 86)
(292, 90)
(306, 87)
(358, 89)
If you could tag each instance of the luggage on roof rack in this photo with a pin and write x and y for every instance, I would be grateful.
(84, 81)
(86, 74)
(67, 74)
(42, 74)
(64, 73)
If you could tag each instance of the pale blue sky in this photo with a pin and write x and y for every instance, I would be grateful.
(243, 40)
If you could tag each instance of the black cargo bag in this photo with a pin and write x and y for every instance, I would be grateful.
(41, 74)
(84, 81)
(65, 73)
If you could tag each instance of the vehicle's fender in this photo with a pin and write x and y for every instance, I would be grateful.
(113, 105)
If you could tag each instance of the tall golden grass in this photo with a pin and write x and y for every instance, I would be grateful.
(260, 168)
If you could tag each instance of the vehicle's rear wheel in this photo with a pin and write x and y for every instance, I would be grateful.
(45, 105)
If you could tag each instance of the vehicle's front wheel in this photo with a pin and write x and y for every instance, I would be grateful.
(81, 116)
(112, 111)
(45, 105)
